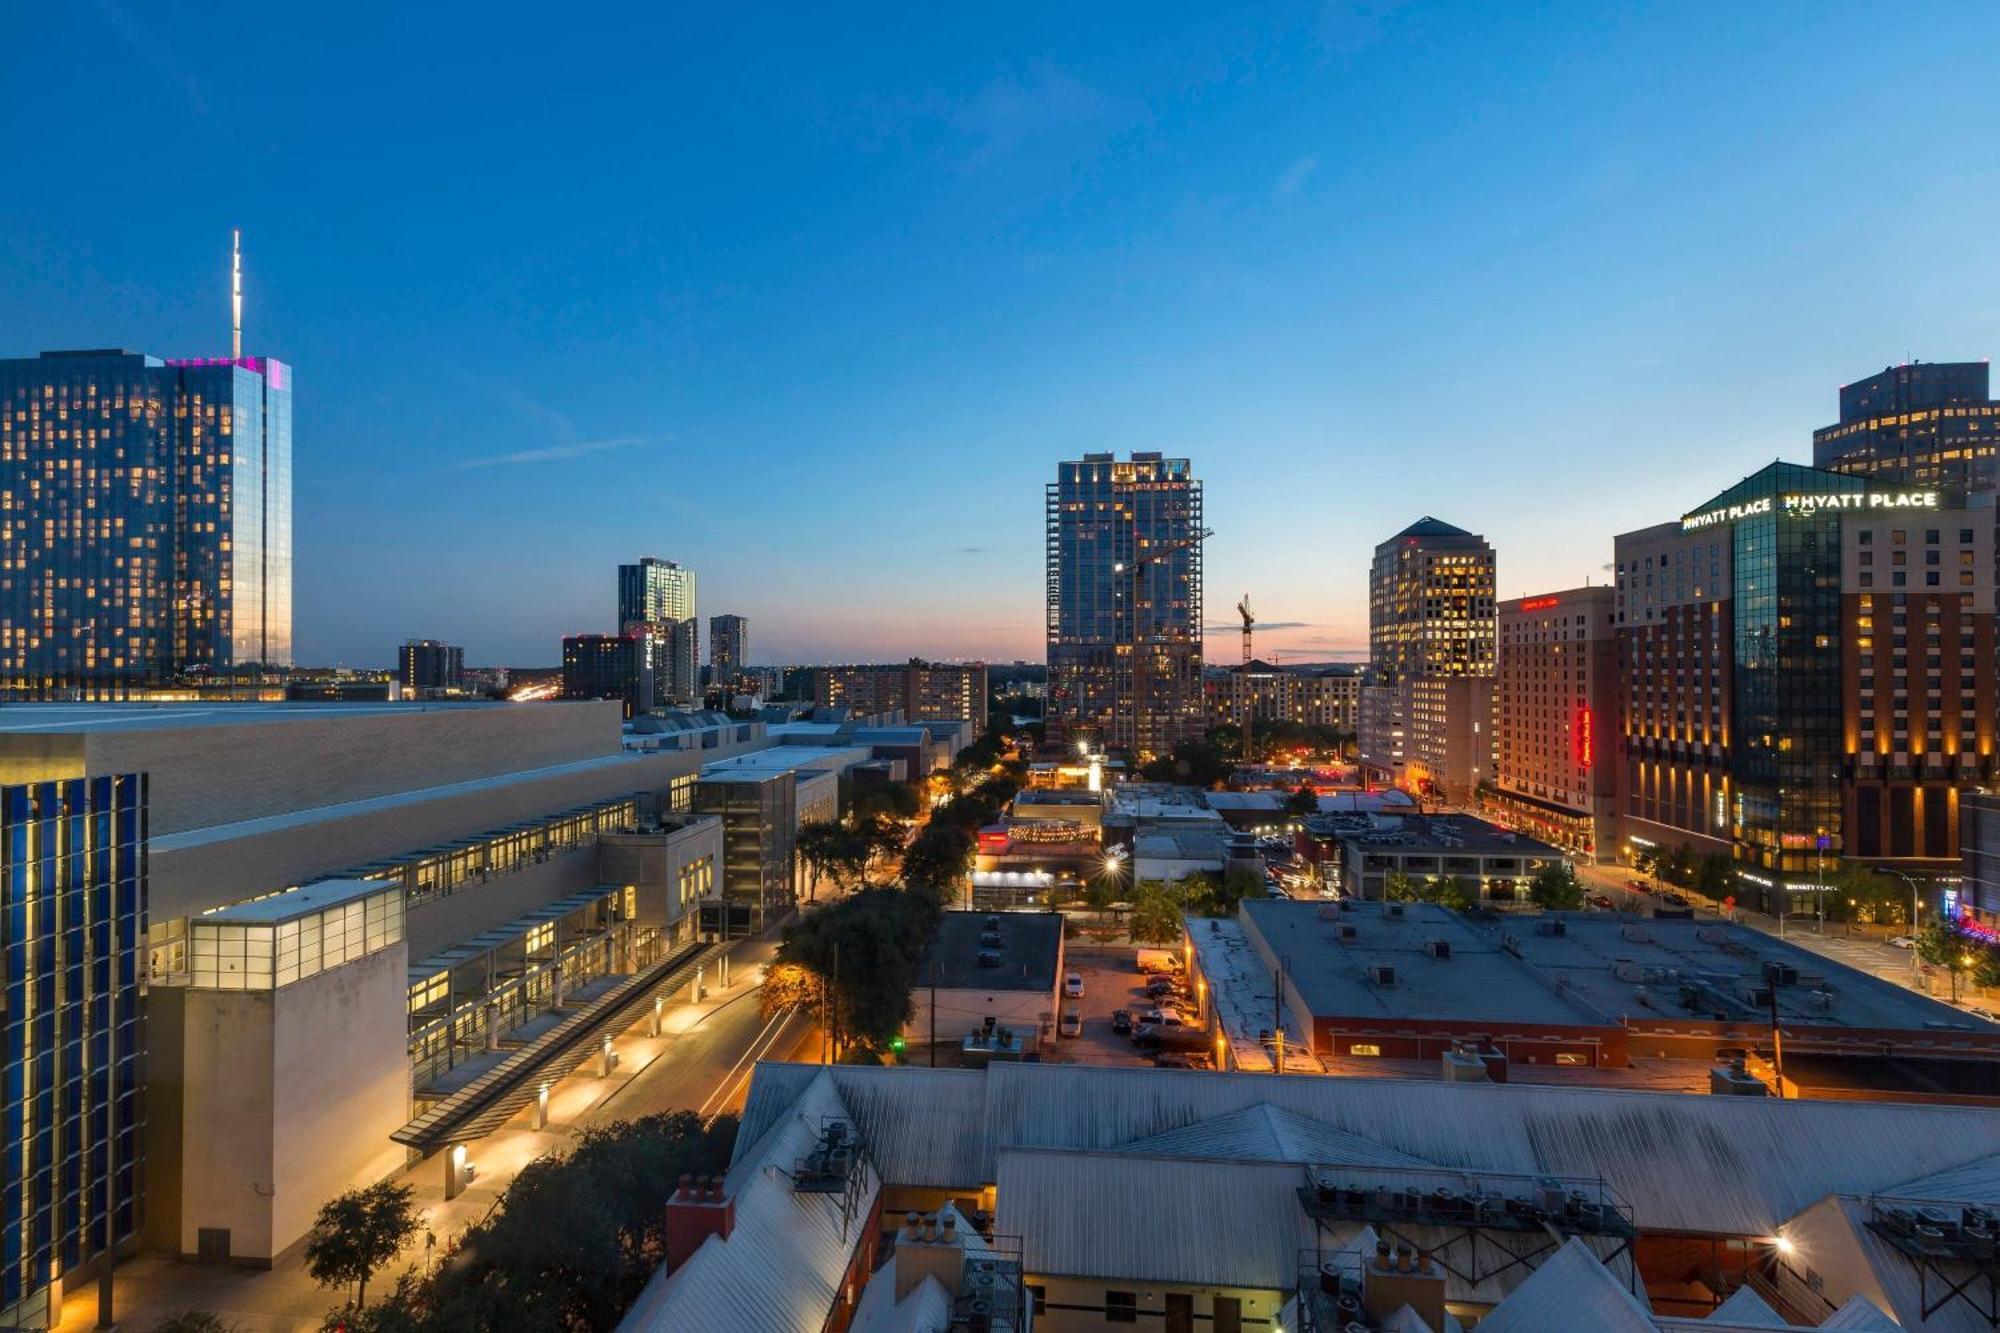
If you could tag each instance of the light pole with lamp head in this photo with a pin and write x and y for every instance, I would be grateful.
(1916, 905)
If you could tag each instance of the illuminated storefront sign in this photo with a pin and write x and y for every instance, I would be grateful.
(1807, 504)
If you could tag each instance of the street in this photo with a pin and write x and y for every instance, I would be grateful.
(701, 1062)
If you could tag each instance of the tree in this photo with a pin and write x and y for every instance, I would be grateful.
(1156, 915)
(1399, 888)
(1554, 888)
(1646, 860)
(864, 952)
(816, 846)
(938, 859)
(357, 1233)
(1448, 891)
(1303, 802)
(1715, 876)
(787, 985)
(1864, 895)
(1195, 763)
(892, 800)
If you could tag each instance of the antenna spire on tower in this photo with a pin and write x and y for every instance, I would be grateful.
(236, 294)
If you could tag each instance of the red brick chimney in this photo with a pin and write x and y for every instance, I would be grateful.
(696, 1212)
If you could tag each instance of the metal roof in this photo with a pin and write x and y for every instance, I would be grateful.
(1747, 1309)
(1974, 1182)
(490, 1100)
(1571, 1290)
(295, 903)
(1266, 1133)
(1710, 1165)
(1103, 1215)
(787, 1253)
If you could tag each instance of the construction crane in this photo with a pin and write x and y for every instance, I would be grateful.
(1139, 657)
(1249, 688)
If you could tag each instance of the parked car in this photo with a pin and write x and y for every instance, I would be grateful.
(1072, 1024)
(1602, 901)
(1073, 985)
(1674, 899)
(1167, 1017)
(1977, 1012)
(1159, 986)
(1181, 1060)
(1902, 941)
(1638, 886)
(1121, 1022)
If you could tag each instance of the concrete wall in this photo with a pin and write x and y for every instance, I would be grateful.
(288, 1097)
(227, 870)
(321, 755)
(653, 862)
(438, 923)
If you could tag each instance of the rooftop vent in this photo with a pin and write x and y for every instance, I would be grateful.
(989, 958)
(1438, 949)
(1382, 974)
(1347, 931)
(1780, 974)
(1395, 909)
(1551, 925)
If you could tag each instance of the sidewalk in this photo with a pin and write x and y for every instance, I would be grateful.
(284, 1299)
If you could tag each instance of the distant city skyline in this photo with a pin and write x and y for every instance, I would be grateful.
(852, 298)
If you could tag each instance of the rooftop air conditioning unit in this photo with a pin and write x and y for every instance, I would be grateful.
(1551, 925)
(1627, 970)
(1780, 974)
(988, 958)
(1382, 974)
(1438, 949)
(1395, 909)
(1347, 931)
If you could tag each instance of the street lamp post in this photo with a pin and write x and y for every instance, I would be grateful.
(1916, 904)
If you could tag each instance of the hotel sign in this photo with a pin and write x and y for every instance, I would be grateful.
(1807, 504)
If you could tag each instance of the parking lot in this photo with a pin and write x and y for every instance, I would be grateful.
(1110, 981)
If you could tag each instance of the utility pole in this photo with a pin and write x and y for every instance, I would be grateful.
(836, 1002)
(1777, 1044)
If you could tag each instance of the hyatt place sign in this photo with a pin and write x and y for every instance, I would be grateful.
(1806, 505)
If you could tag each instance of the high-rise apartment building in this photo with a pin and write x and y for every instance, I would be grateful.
(1430, 617)
(1807, 673)
(922, 691)
(145, 521)
(425, 665)
(728, 648)
(72, 1123)
(1555, 702)
(654, 590)
(1124, 601)
(1320, 697)
(1920, 424)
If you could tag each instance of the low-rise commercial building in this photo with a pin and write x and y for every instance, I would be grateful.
(1597, 990)
(1359, 853)
(1111, 1196)
(988, 981)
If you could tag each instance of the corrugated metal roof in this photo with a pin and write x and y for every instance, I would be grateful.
(1092, 1215)
(1571, 1290)
(1267, 1133)
(1712, 1165)
(925, 1310)
(1974, 1182)
(1748, 1310)
(1859, 1315)
(1900, 1284)
(782, 1265)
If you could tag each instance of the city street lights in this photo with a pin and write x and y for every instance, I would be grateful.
(1916, 964)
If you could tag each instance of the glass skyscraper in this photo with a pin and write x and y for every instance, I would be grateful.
(145, 521)
(1927, 423)
(72, 918)
(1112, 600)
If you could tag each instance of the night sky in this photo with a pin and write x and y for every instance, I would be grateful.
(812, 298)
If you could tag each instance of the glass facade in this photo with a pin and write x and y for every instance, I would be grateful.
(1786, 714)
(145, 521)
(267, 944)
(1109, 598)
(1921, 424)
(72, 915)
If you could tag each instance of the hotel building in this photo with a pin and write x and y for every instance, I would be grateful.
(1116, 603)
(145, 521)
(1807, 673)
(1555, 688)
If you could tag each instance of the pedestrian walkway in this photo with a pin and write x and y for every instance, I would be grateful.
(284, 1299)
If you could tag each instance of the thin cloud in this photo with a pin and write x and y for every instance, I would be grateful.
(1294, 177)
(155, 52)
(1011, 110)
(1261, 625)
(974, 550)
(552, 453)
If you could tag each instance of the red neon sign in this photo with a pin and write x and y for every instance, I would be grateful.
(1540, 603)
(1584, 737)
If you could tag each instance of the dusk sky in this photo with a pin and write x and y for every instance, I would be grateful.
(813, 298)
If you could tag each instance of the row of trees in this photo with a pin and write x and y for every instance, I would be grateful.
(1854, 892)
(1554, 888)
(566, 1250)
(1964, 954)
